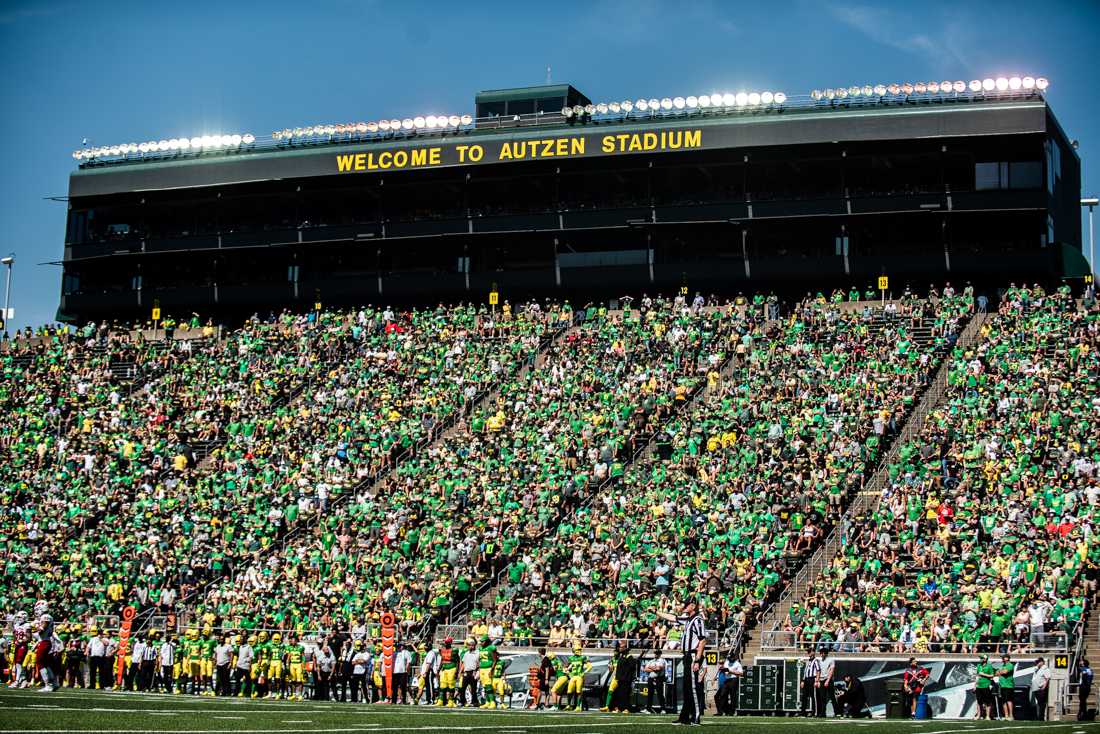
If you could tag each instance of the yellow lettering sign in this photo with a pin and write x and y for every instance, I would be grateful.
(883, 282)
(387, 159)
(156, 314)
(494, 298)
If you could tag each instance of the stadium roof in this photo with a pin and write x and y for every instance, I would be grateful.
(551, 136)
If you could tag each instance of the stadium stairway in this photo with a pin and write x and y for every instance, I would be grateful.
(1090, 650)
(752, 638)
(447, 428)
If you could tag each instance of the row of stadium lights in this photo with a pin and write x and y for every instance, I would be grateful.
(174, 145)
(1000, 84)
(443, 123)
(741, 99)
(440, 123)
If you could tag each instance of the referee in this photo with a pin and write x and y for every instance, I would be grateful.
(692, 640)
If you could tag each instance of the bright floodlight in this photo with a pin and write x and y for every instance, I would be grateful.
(894, 88)
(959, 86)
(578, 110)
(466, 119)
(666, 103)
(975, 85)
(614, 107)
(815, 95)
(679, 103)
(854, 91)
(920, 87)
(868, 90)
(602, 108)
(1014, 83)
(729, 100)
(627, 105)
(248, 138)
(767, 97)
(372, 127)
(988, 85)
(642, 105)
(906, 88)
(1041, 84)
(418, 122)
(704, 100)
(1028, 82)
(879, 90)
(780, 97)
(754, 98)
(589, 109)
(654, 104)
(184, 144)
(692, 102)
(841, 93)
(1002, 84)
(235, 139)
(384, 124)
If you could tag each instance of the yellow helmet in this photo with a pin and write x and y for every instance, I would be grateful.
(277, 637)
(207, 630)
(263, 635)
(236, 639)
(252, 639)
(192, 633)
(93, 630)
(576, 647)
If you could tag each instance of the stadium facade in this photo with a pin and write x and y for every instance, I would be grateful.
(530, 200)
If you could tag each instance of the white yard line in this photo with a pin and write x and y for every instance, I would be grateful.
(1018, 727)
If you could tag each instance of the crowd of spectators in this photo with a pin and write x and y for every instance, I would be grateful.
(984, 538)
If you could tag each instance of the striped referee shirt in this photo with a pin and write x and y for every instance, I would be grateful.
(693, 632)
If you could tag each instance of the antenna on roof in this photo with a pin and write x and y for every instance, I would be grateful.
(548, 74)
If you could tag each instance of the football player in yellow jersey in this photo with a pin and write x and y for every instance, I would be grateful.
(294, 654)
(259, 664)
(276, 685)
(192, 663)
(206, 659)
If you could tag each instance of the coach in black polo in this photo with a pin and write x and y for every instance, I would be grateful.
(692, 641)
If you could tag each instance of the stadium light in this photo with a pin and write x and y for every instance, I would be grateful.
(692, 102)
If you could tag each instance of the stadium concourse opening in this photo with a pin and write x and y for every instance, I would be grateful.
(530, 202)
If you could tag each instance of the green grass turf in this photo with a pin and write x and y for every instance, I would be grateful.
(76, 710)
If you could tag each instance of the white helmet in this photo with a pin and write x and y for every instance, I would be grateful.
(20, 617)
(41, 607)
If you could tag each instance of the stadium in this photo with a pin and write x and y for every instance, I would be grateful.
(751, 409)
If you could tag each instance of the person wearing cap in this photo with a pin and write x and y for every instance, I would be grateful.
(1040, 688)
(360, 659)
(470, 664)
(402, 662)
(693, 640)
(429, 672)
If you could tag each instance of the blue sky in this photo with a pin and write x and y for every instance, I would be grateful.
(115, 72)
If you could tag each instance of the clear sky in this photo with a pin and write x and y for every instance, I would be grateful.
(116, 72)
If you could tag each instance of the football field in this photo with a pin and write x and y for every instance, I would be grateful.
(122, 713)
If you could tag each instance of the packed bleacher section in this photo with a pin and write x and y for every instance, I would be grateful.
(298, 408)
(740, 486)
(984, 538)
(425, 535)
(75, 443)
